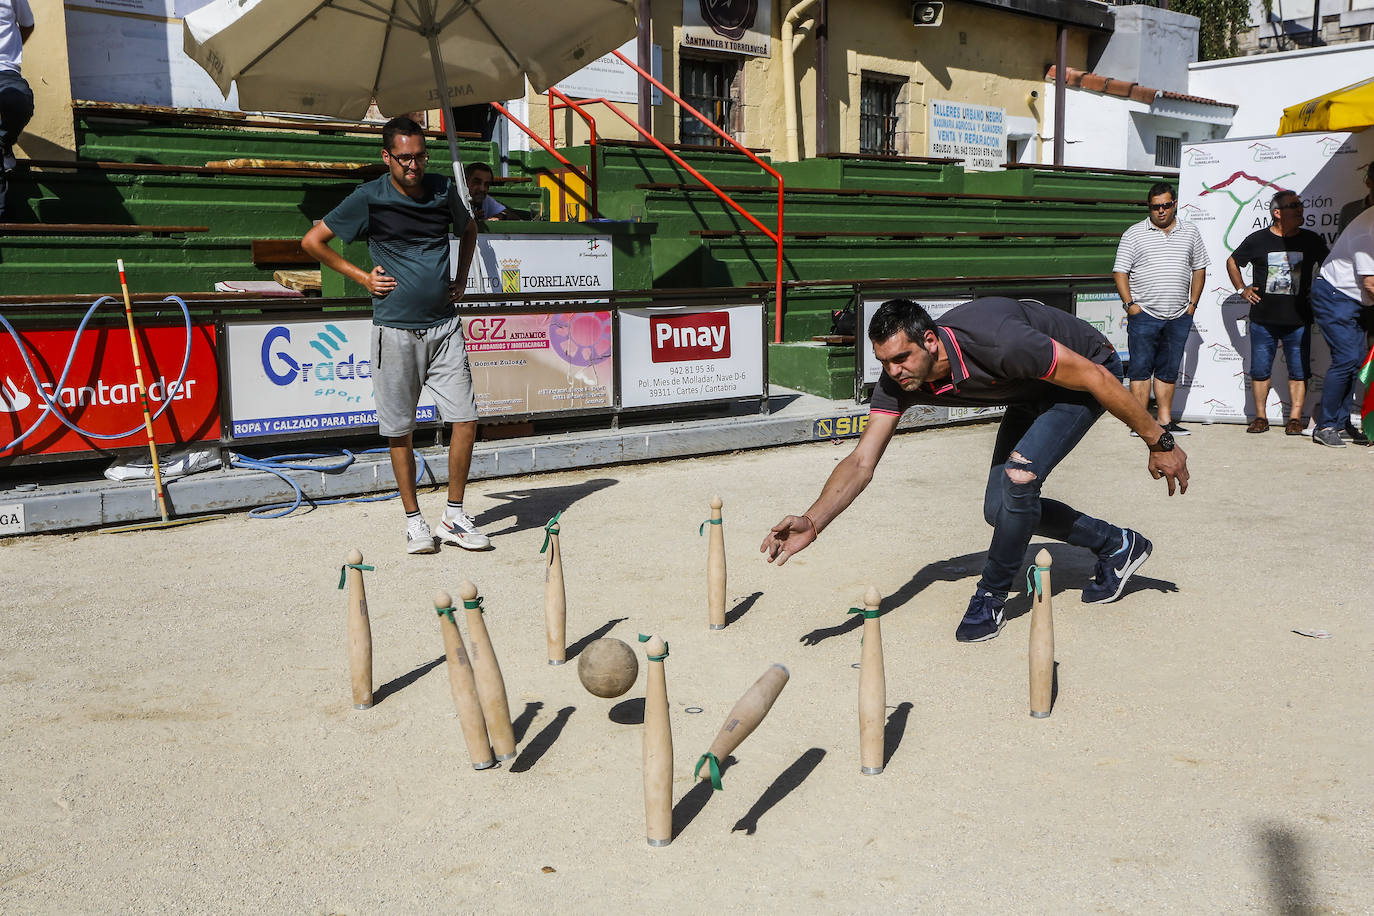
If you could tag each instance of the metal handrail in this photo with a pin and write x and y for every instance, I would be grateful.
(776, 236)
(591, 126)
(551, 151)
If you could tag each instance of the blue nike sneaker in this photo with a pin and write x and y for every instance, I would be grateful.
(983, 620)
(1114, 569)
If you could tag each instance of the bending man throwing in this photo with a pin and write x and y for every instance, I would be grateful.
(1056, 375)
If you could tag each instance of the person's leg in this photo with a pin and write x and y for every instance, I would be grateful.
(1337, 316)
(1262, 348)
(449, 380)
(1173, 338)
(396, 371)
(16, 108)
(1014, 505)
(461, 439)
(1142, 340)
(1297, 358)
(403, 467)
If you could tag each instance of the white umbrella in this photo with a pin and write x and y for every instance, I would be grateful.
(333, 57)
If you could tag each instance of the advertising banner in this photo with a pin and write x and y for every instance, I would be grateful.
(974, 133)
(1225, 189)
(733, 26)
(540, 363)
(315, 376)
(537, 264)
(1104, 312)
(303, 377)
(680, 355)
(608, 78)
(99, 393)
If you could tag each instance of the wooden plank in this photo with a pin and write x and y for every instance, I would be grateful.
(302, 281)
(93, 229)
(272, 252)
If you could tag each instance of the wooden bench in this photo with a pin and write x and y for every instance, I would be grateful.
(275, 253)
(94, 229)
(874, 192)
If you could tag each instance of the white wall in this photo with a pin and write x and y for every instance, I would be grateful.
(1265, 84)
(1107, 131)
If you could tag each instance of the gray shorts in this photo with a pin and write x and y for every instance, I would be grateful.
(404, 360)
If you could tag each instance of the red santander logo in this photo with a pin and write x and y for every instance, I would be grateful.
(701, 335)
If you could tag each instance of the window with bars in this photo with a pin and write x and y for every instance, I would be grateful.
(709, 86)
(878, 114)
(1168, 152)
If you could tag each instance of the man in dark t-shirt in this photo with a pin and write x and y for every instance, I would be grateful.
(1283, 258)
(417, 337)
(1056, 375)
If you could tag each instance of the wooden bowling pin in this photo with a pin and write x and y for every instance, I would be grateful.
(555, 598)
(872, 689)
(359, 633)
(715, 567)
(744, 717)
(491, 688)
(658, 748)
(464, 686)
(1042, 641)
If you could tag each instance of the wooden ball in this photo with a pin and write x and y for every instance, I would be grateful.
(607, 667)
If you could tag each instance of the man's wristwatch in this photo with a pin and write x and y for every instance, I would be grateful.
(1126, 306)
(1165, 442)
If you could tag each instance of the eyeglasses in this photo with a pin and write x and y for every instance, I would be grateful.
(1168, 206)
(411, 160)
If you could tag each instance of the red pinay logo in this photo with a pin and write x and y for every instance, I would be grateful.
(702, 335)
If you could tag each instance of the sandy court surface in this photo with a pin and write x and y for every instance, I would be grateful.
(178, 733)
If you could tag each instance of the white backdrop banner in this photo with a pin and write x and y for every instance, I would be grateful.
(1224, 188)
(679, 355)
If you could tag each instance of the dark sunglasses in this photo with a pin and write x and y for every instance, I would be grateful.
(1168, 206)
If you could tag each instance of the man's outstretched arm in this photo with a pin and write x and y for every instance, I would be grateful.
(842, 487)
(1081, 374)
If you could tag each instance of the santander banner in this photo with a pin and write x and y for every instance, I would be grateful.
(100, 393)
(684, 355)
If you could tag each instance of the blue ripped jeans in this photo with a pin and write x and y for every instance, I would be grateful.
(1044, 433)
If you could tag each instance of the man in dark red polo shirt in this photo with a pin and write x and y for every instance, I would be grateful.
(1056, 375)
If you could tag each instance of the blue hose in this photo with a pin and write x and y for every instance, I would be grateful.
(50, 406)
(278, 463)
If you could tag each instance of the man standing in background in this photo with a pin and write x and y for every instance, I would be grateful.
(1283, 258)
(16, 98)
(1340, 295)
(1160, 268)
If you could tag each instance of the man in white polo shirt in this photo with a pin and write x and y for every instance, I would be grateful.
(1160, 268)
(1345, 286)
(16, 98)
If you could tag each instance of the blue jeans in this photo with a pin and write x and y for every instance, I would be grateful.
(1338, 316)
(16, 108)
(1156, 345)
(1264, 343)
(1044, 433)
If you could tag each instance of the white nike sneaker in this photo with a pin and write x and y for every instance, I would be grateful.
(419, 539)
(457, 528)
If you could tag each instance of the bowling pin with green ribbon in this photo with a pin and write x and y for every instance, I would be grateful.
(359, 630)
(744, 717)
(1041, 637)
(715, 567)
(658, 747)
(555, 596)
(872, 686)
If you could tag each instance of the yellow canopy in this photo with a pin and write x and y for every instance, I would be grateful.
(1350, 108)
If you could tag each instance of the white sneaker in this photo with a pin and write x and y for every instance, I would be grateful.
(419, 539)
(458, 528)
